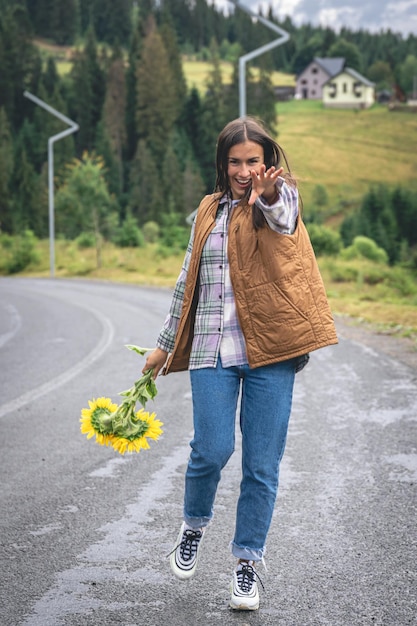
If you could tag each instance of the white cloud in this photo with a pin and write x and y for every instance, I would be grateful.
(337, 18)
(372, 15)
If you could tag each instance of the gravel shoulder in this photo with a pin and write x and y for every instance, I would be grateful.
(403, 349)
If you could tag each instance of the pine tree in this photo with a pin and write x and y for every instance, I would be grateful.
(157, 105)
(19, 61)
(131, 91)
(28, 212)
(214, 117)
(264, 104)
(146, 201)
(175, 64)
(88, 91)
(112, 20)
(114, 111)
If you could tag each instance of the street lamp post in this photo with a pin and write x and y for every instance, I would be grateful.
(73, 127)
(284, 36)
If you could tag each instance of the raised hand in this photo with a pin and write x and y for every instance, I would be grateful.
(264, 183)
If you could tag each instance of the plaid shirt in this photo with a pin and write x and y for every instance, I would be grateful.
(216, 329)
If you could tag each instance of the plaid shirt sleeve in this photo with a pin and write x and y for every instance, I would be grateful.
(166, 339)
(282, 215)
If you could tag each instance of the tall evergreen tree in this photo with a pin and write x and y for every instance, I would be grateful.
(264, 101)
(175, 64)
(28, 212)
(214, 117)
(19, 62)
(88, 91)
(131, 91)
(54, 19)
(146, 200)
(114, 111)
(157, 104)
(112, 20)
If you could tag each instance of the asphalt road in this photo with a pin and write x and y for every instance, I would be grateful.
(85, 532)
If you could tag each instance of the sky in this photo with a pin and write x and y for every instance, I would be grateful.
(372, 15)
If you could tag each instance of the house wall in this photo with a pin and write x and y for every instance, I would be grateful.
(345, 92)
(309, 84)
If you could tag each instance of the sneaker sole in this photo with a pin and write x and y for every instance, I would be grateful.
(244, 607)
(238, 605)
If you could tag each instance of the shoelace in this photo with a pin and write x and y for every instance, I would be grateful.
(189, 544)
(246, 576)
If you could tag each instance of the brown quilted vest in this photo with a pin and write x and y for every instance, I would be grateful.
(280, 297)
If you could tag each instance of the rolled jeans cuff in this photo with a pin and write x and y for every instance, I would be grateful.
(249, 554)
(197, 522)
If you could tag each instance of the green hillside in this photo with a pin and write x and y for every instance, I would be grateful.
(347, 151)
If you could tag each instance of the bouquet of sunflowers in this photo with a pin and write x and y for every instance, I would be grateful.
(122, 426)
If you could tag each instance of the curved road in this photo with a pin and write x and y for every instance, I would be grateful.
(85, 532)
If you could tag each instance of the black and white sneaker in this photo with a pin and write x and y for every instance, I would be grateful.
(245, 596)
(184, 556)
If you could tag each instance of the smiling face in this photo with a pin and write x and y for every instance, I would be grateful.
(242, 158)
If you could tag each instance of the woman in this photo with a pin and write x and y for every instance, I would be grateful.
(248, 307)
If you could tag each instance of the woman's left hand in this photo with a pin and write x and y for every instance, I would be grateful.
(264, 184)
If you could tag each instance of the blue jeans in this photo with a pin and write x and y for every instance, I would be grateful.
(266, 399)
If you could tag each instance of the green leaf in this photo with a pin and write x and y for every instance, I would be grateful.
(137, 349)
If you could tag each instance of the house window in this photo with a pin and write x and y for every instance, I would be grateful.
(314, 70)
(332, 90)
(313, 93)
(357, 89)
(304, 82)
(345, 87)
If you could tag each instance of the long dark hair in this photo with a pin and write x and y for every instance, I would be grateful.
(238, 131)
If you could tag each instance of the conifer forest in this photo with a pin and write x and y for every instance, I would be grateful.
(144, 152)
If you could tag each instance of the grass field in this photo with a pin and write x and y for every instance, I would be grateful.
(347, 151)
(197, 73)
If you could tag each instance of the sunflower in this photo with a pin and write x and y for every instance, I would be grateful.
(141, 426)
(97, 420)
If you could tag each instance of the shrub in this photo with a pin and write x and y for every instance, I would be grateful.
(374, 275)
(365, 248)
(151, 232)
(85, 240)
(402, 281)
(324, 240)
(129, 234)
(343, 273)
(21, 252)
(174, 235)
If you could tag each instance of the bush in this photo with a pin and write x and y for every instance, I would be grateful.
(129, 234)
(374, 275)
(365, 248)
(324, 240)
(86, 240)
(174, 235)
(20, 253)
(402, 281)
(343, 273)
(151, 232)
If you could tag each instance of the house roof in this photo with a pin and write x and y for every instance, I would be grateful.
(331, 66)
(354, 74)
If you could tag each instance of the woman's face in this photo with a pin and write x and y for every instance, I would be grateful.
(242, 158)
